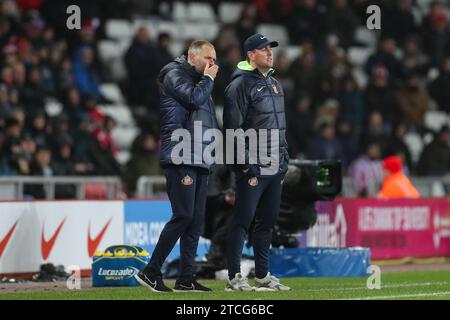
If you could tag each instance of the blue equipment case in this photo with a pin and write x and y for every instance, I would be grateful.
(320, 262)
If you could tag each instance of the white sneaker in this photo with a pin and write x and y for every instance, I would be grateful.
(239, 283)
(270, 283)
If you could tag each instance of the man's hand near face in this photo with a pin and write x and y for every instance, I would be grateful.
(211, 71)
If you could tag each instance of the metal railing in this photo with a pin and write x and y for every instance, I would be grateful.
(147, 186)
(427, 186)
(12, 187)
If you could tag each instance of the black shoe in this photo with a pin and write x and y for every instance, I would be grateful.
(155, 283)
(189, 285)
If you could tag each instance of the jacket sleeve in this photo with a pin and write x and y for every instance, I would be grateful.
(183, 88)
(235, 106)
(234, 114)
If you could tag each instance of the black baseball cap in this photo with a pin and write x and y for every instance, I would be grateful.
(257, 41)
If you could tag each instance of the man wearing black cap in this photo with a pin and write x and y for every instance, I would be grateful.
(255, 100)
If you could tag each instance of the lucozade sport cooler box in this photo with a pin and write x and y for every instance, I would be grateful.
(118, 265)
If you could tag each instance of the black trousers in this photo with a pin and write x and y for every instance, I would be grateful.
(260, 200)
(186, 187)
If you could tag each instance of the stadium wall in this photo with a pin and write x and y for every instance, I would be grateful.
(70, 232)
(392, 229)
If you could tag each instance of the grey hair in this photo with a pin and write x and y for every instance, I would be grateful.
(197, 45)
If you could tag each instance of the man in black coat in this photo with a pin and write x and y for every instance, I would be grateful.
(254, 101)
(185, 102)
(142, 61)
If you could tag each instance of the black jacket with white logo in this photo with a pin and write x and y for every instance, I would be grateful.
(253, 101)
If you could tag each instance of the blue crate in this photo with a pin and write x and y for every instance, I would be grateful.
(118, 265)
(319, 262)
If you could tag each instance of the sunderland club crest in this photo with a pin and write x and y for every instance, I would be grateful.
(253, 182)
(187, 181)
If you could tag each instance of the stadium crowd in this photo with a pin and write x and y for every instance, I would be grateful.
(330, 116)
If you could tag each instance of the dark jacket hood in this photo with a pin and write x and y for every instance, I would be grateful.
(178, 62)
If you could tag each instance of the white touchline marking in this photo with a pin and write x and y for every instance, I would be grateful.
(417, 295)
(417, 284)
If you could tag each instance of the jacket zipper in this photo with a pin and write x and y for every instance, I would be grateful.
(273, 103)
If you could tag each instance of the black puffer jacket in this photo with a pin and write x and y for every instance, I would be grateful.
(185, 97)
(253, 101)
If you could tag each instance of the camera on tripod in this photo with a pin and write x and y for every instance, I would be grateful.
(306, 182)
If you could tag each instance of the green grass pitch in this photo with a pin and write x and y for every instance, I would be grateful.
(394, 285)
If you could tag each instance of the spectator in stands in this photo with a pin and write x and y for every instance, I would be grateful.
(342, 21)
(65, 76)
(164, 42)
(300, 126)
(87, 38)
(34, 26)
(414, 60)
(351, 103)
(305, 72)
(385, 56)
(271, 11)
(227, 67)
(60, 127)
(435, 157)
(64, 161)
(225, 40)
(33, 95)
(5, 30)
(336, 69)
(17, 163)
(54, 64)
(366, 171)
(85, 76)
(307, 22)
(348, 140)
(397, 146)
(38, 127)
(104, 150)
(375, 131)
(74, 108)
(413, 101)
(18, 114)
(439, 88)
(45, 68)
(327, 112)
(64, 165)
(144, 161)
(436, 33)
(246, 25)
(380, 95)
(41, 166)
(104, 136)
(143, 63)
(28, 146)
(85, 146)
(20, 81)
(282, 66)
(325, 146)
(395, 183)
(398, 20)
(5, 103)
(11, 137)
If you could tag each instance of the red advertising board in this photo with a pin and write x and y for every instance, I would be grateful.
(390, 228)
